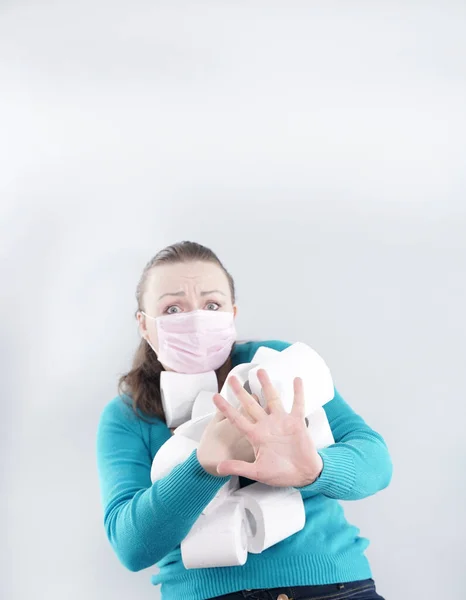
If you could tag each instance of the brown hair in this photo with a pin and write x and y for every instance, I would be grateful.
(142, 382)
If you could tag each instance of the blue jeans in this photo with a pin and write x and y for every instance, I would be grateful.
(354, 590)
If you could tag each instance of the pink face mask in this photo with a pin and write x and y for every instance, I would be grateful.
(196, 341)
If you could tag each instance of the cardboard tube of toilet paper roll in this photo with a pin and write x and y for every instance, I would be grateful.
(175, 451)
(203, 405)
(272, 513)
(319, 429)
(194, 428)
(179, 390)
(218, 539)
(298, 360)
(241, 371)
(225, 492)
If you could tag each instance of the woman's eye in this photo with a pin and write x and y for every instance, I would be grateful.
(171, 312)
(214, 304)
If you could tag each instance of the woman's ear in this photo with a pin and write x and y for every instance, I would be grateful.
(141, 324)
(235, 310)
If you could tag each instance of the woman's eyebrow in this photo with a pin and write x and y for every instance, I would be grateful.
(183, 293)
(212, 292)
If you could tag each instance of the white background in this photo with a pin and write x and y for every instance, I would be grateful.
(319, 149)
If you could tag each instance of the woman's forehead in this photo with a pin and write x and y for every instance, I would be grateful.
(187, 275)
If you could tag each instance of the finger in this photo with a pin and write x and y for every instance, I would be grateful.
(298, 409)
(237, 467)
(218, 416)
(272, 397)
(249, 403)
(233, 415)
(244, 412)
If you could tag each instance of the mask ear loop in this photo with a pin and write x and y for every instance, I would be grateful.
(149, 317)
(146, 338)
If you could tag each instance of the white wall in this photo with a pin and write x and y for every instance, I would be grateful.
(319, 149)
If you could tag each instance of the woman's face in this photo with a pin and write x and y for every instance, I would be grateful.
(183, 287)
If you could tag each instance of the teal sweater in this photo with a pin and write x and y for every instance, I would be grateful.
(145, 523)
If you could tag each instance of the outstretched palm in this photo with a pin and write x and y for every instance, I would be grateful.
(285, 454)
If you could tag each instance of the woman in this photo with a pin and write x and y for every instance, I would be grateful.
(146, 522)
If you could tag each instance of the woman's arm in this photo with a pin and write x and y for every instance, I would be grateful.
(358, 464)
(145, 521)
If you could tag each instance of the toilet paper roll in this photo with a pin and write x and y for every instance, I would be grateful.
(298, 360)
(241, 371)
(203, 405)
(179, 390)
(175, 451)
(263, 353)
(223, 494)
(194, 428)
(272, 514)
(218, 539)
(319, 429)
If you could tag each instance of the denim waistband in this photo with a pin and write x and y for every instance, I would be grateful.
(306, 592)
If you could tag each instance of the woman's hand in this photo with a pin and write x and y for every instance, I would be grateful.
(284, 452)
(222, 441)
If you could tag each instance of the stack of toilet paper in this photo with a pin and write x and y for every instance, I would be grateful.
(256, 517)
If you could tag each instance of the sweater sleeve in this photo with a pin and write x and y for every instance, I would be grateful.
(358, 464)
(145, 521)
